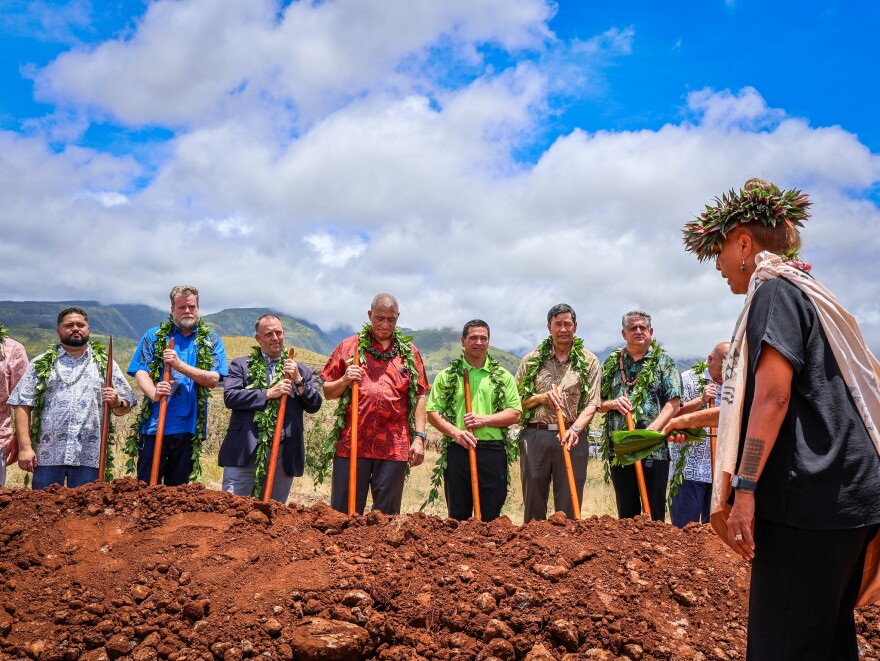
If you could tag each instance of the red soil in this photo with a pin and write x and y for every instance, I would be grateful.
(128, 571)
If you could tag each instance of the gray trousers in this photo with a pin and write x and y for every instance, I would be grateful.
(2, 470)
(541, 462)
(240, 481)
(382, 477)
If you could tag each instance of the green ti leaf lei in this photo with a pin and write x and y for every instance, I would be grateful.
(3, 333)
(453, 384)
(265, 420)
(704, 236)
(43, 367)
(364, 345)
(545, 351)
(638, 396)
(678, 474)
(204, 361)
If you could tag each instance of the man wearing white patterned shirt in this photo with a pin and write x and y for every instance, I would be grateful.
(694, 496)
(69, 437)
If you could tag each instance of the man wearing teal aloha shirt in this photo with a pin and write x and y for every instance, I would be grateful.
(495, 405)
(619, 375)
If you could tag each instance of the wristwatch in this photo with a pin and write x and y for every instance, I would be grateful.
(742, 484)
(575, 429)
(422, 435)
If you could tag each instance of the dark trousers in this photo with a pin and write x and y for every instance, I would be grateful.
(691, 503)
(381, 477)
(803, 591)
(175, 464)
(76, 476)
(491, 475)
(542, 462)
(626, 488)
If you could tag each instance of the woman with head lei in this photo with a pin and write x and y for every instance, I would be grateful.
(797, 471)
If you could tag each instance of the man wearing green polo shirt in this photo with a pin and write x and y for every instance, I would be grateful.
(495, 405)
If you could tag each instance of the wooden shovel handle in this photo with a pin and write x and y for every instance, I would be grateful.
(276, 443)
(472, 453)
(105, 414)
(352, 462)
(640, 473)
(566, 454)
(160, 424)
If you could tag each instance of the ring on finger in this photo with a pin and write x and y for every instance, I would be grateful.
(738, 537)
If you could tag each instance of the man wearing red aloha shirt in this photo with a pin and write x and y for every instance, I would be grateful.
(386, 440)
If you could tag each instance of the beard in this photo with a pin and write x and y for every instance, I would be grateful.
(187, 323)
(79, 341)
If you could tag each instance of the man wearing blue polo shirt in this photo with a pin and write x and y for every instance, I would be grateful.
(192, 375)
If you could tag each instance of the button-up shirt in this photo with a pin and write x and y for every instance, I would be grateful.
(698, 465)
(665, 384)
(70, 429)
(13, 363)
(562, 373)
(383, 402)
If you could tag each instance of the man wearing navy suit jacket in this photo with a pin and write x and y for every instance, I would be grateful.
(238, 452)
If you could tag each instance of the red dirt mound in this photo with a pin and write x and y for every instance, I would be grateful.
(124, 571)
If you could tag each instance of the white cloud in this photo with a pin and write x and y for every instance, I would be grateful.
(109, 198)
(332, 252)
(192, 61)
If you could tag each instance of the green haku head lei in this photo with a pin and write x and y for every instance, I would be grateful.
(704, 236)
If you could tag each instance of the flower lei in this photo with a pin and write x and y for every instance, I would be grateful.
(265, 420)
(364, 346)
(533, 366)
(704, 236)
(638, 398)
(447, 403)
(43, 367)
(204, 361)
(678, 474)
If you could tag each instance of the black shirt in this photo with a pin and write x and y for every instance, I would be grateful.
(823, 472)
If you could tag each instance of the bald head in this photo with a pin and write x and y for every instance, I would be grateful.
(716, 360)
(386, 301)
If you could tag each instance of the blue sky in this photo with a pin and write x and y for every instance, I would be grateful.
(476, 157)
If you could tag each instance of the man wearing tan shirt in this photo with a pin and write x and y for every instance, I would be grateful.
(562, 360)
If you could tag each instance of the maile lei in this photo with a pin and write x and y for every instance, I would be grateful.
(204, 361)
(3, 334)
(533, 366)
(446, 400)
(638, 393)
(402, 347)
(684, 448)
(265, 419)
(43, 366)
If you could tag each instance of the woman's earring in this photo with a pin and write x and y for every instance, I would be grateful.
(742, 267)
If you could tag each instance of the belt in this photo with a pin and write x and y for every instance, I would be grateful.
(540, 425)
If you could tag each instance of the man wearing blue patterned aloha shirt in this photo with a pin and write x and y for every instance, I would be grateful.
(694, 496)
(619, 376)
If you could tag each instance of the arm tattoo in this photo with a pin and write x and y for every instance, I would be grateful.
(751, 458)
